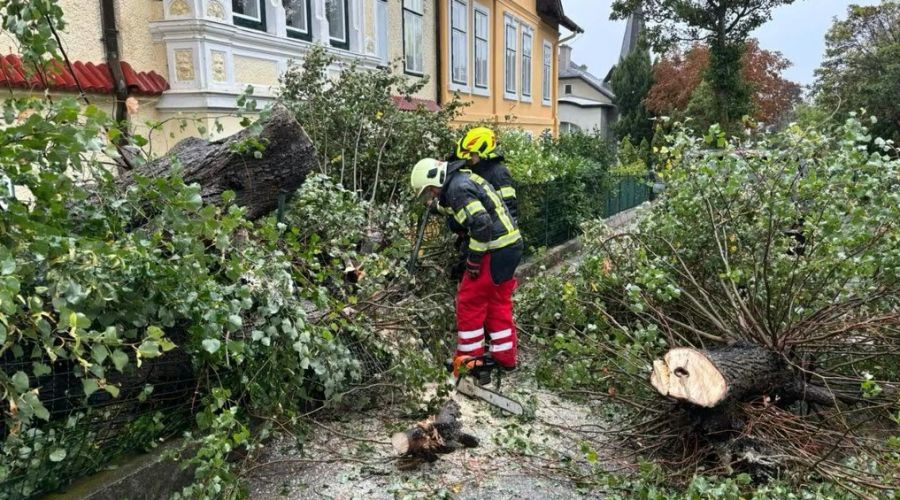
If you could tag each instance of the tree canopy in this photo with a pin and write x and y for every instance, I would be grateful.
(862, 66)
(631, 80)
(678, 77)
(722, 24)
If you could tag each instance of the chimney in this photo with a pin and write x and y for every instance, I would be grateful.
(565, 57)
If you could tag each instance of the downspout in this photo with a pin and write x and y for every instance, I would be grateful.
(111, 46)
(439, 63)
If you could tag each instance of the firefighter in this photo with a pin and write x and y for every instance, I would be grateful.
(479, 150)
(484, 308)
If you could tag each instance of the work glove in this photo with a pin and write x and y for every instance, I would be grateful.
(473, 268)
(457, 270)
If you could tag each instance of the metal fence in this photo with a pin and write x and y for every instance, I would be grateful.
(83, 434)
(551, 213)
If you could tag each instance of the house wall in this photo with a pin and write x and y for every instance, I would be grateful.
(585, 118)
(580, 88)
(496, 105)
(429, 46)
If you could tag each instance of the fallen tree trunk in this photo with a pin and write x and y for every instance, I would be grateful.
(441, 433)
(708, 378)
(286, 158)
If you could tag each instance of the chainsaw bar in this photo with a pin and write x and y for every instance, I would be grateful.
(467, 386)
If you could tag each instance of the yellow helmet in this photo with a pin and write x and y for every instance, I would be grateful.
(479, 140)
(427, 173)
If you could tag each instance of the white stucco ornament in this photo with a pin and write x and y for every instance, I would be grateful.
(184, 65)
(216, 10)
(218, 66)
(179, 8)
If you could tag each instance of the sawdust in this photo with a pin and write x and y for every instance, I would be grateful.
(535, 457)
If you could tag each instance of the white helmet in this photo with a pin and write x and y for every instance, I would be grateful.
(427, 173)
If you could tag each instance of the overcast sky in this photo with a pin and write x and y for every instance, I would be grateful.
(797, 31)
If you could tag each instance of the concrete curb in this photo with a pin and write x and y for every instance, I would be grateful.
(147, 476)
(559, 253)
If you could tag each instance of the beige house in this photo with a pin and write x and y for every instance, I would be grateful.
(193, 58)
(585, 101)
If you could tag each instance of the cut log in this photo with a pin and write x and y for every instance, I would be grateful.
(219, 166)
(438, 434)
(707, 378)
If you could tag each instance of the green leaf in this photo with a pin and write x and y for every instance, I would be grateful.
(99, 353)
(148, 349)
(20, 381)
(112, 390)
(7, 266)
(211, 345)
(40, 411)
(119, 359)
(58, 455)
(235, 322)
(155, 333)
(40, 369)
(90, 386)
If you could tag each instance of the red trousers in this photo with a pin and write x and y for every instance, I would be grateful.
(483, 307)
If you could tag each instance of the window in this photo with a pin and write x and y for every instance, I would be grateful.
(249, 13)
(338, 24)
(297, 18)
(566, 127)
(459, 60)
(381, 16)
(510, 71)
(481, 48)
(413, 55)
(526, 62)
(546, 75)
(568, 89)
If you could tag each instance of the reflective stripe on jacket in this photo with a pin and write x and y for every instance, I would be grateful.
(497, 174)
(477, 207)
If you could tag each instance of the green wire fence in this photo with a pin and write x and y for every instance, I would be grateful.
(550, 213)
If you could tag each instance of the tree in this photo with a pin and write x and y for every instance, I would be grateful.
(679, 89)
(631, 81)
(862, 66)
(722, 24)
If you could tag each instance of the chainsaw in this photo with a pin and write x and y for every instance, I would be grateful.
(474, 378)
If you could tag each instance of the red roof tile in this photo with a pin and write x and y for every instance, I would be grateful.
(413, 103)
(94, 78)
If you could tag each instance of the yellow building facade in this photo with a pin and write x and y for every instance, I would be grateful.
(210, 51)
(501, 56)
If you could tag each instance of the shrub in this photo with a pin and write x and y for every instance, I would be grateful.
(791, 244)
(363, 140)
(260, 318)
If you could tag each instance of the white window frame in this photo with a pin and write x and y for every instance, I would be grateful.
(512, 94)
(301, 34)
(340, 43)
(456, 85)
(410, 14)
(250, 22)
(547, 73)
(476, 89)
(526, 71)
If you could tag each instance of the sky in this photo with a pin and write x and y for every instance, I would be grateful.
(797, 31)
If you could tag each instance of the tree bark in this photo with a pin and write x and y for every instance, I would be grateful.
(439, 434)
(227, 164)
(708, 378)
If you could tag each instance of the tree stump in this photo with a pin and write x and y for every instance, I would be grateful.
(219, 166)
(441, 433)
(708, 378)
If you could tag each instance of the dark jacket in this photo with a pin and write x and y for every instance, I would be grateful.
(497, 174)
(476, 207)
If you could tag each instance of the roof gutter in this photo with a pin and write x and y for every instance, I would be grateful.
(566, 39)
